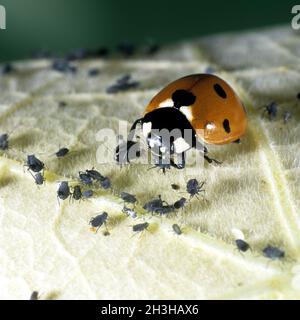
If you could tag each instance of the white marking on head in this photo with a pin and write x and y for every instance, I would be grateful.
(147, 128)
(181, 145)
(187, 111)
(167, 103)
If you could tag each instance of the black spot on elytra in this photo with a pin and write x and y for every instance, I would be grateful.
(226, 125)
(183, 98)
(220, 91)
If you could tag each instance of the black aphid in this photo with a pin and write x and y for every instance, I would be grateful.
(7, 68)
(85, 178)
(193, 187)
(153, 205)
(176, 229)
(93, 72)
(63, 191)
(152, 48)
(95, 175)
(140, 227)
(242, 245)
(128, 198)
(34, 295)
(62, 152)
(105, 183)
(175, 186)
(129, 212)
(4, 141)
(87, 194)
(78, 54)
(34, 164)
(273, 253)
(271, 110)
(99, 220)
(62, 104)
(164, 210)
(39, 178)
(102, 52)
(77, 194)
(180, 203)
(126, 48)
(122, 84)
(62, 65)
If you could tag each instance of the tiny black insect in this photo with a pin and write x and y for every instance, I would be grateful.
(63, 191)
(98, 221)
(34, 295)
(78, 54)
(126, 48)
(62, 104)
(93, 72)
(87, 194)
(63, 65)
(85, 178)
(164, 210)
(154, 204)
(180, 203)
(39, 178)
(152, 48)
(129, 212)
(176, 229)
(102, 52)
(77, 194)
(140, 227)
(175, 186)
(122, 84)
(273, 253)
(7, 68)
(4, 141)
(105, 183)
(193, 187)
(62, 152)
(34, 164)
(128, 198)
(242, 245)
(271, 110)
(94, 174)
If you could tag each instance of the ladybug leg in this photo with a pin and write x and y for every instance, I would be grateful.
(180, 165)
(210, 160)
(200, 147)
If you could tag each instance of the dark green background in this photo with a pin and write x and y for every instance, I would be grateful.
(59, 25)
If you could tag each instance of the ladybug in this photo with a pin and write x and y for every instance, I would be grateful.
(203, 104)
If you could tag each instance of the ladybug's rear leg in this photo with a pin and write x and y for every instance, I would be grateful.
(200, 147)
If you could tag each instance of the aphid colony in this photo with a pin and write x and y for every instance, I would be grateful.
(89, 181)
